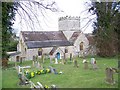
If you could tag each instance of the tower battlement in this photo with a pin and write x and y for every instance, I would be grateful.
(69, 23)
(69, 18)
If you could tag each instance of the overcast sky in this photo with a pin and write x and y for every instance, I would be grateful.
(50, 20)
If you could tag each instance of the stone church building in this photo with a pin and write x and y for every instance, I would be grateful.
(54, 44)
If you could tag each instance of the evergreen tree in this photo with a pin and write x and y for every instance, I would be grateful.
(107, 27)
(8, 14)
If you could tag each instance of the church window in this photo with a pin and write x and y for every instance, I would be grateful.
(81, 46)
(39, 51)
(66, 50)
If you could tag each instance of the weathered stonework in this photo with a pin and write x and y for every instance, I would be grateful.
(68, 26)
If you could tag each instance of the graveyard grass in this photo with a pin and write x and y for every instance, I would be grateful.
(72, 77)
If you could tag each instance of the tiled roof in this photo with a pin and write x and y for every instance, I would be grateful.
(74, 36)
(90, 38)
(43, 44)
(43, 35)
(37, 39)
(53, 50)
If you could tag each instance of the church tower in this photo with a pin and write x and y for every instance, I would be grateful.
(68, 25)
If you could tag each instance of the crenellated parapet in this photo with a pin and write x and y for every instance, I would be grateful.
(69, 18)
(69, 23)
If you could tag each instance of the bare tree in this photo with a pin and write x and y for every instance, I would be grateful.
(30, 12)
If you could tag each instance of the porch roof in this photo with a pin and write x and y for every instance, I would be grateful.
(13, 53)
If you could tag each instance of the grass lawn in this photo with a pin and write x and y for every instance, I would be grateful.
(72, 77)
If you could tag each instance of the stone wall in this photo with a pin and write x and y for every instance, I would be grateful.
(81, 38)
(69, 23)
(68, 34)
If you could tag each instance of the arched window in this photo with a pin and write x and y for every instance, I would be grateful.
(17, 58)
(81, 46)
(25, 50)
(66, 50)
(40, 51)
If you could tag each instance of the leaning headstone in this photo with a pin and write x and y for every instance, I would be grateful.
(75, 63)
(41, 86)
(33, 86)
(53, 70)
(21, 80)
(109, 76)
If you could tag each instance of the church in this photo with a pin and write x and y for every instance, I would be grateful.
(69, 40)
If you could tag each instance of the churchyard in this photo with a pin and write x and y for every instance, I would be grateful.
(68, 75)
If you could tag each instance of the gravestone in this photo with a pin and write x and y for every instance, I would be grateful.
(22, 82)
(22, 78)
(53, 87)
(65, 60)
(85, 62)
(51, 60)
(33, 86)
(56, 61)
(34, 59)
(94, 63)
(86, 65)
(43, 58)
(41, 86)
(109, 76)
(53, 70)
(75, 63)
(70, 57)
